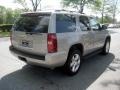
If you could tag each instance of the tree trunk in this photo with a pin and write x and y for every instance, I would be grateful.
(82, 4)
(103, 11)
(114, 17)
(114, 11)
(81, 9)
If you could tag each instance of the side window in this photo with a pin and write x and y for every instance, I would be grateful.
(94, 25)
(65, 23)
(84, 23)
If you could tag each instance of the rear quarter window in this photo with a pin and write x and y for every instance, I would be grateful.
(65, 23)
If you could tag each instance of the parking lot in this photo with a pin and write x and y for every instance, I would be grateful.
(96, 73)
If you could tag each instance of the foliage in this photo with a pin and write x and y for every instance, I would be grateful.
(80, 4)
(5, 27)
(24, 4)
(108, 7)
(4, 34)
(7, 15)
(2, 14)
(106, 19)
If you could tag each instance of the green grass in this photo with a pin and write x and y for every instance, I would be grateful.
(4, 34)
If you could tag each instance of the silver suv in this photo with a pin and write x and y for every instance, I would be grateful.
(59, 38)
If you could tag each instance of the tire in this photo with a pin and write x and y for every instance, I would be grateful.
(106, 47)
(73, 63)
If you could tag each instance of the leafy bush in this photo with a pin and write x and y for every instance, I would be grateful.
(5, 27)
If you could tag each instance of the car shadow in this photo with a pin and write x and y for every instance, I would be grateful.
(36, 78)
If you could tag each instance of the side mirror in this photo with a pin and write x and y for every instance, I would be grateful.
(103, 27)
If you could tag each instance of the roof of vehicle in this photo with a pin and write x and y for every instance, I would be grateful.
(54, 12)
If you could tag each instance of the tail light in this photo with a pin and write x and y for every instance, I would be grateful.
(52, 43)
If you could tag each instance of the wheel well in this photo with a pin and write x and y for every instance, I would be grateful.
(77, 46)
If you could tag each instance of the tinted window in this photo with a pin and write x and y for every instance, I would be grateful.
(84, 23)
(94, 24)
(32, 24)
(65, 23)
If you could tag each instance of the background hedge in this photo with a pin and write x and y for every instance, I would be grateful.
(5, 27)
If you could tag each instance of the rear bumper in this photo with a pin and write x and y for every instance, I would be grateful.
(51, 60)
(26, 54)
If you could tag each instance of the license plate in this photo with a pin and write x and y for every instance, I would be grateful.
(26, 43)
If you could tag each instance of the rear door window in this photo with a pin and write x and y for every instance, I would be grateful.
(32, 23)
(84, 23)
(65, 23)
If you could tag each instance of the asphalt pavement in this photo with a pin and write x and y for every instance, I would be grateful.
(97, 72)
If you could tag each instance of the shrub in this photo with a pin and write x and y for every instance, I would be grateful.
(5, 27)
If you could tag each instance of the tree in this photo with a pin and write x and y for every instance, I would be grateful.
(80, 4)
(9, 16)
(102, 10)
(35, 4)
(113, 9)
(105, 19)
(17, 12)
(108, 7)
(2, 14)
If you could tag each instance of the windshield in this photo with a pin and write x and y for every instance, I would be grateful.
(37, 24)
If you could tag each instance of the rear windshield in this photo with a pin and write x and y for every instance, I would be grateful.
(34, 23)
